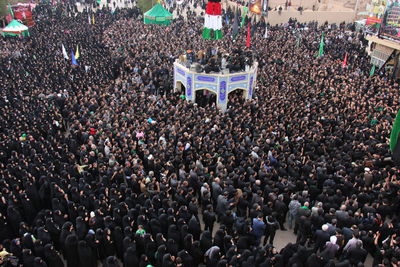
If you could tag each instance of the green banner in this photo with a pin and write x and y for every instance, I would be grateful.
(245, 10)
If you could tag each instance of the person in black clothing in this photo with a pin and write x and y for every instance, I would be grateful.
(211, 66)
(52, 257)
(209, 218)
(281, 210)
(321, 236)
(71, 250)
(304, 232)
(357, 255)
(271, 226)
(85, 254)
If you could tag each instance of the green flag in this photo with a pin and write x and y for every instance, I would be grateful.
(10, 10)
(321, 46)
(98, 2)
(245, 9)
(371, 73)
(394, 135)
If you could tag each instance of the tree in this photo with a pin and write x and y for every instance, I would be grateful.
(144, 5)
(3, 8)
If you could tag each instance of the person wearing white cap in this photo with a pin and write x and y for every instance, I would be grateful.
(331, 248)
(368, 177)
(321, 237)
(314, 210)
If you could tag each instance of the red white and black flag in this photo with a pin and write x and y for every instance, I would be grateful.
(213, 20)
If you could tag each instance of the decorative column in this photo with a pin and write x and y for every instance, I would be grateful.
(190, 93)
(222, 96)
(175, 81)
(250, 91)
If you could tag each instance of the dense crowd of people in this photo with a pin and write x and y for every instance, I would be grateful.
(214, 60)
(104, 163)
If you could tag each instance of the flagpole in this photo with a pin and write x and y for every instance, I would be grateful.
(356, 8)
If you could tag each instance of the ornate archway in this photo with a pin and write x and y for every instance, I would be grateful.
(180, 87)
(237, 95)
(204, 97)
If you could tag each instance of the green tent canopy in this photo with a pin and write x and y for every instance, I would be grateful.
(158, 15)
(15, 28)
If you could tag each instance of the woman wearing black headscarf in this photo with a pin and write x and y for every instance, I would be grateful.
(188, 242)
(14, 218)
(155, 226)
(184, 230)
(173, 233)
(231, 253)
(38, 248)
(100, 244)
(140, 245)
(81, 228)
(54, 231)
(130, 257)
(160, 239)
(118, 241)
(219, 238)
(71, 250)
(206, 241)
(168, 260)
(52, 257)
(28, 258)
(244, 256)
(39, 262)
(109, 244)
(150, 246)
(228, 242)
(44, 235)
(144, 261)
(172, 247)
(65, 231)
(159, 255)
(27, 241)
(16, 248)
(111, 261)
(5, 229)
(194, 227)
(186, 258)
(85, 254)
(223, 263)
(128, 242)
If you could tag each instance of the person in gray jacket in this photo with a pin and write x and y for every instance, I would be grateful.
(294, 205)
(222, 205)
